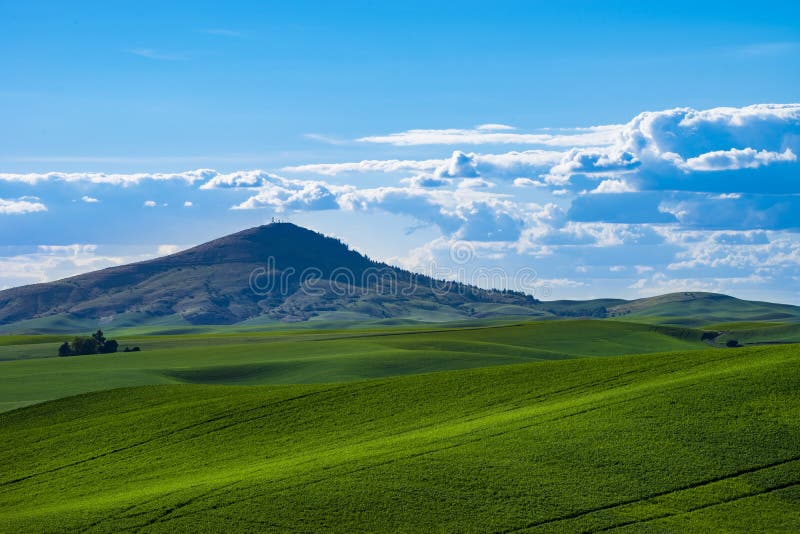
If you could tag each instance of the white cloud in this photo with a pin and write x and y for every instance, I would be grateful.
(475, 183)
(242, 179)
(150, 203)
(659, 283)
(527, 182)
(165, 250)
(294, 195)
(89, 200)
(188, 204)
(678, 187)
(596, 136)
(20, 206)
(465, 213)
(614, 186)
(53, 262)
(733, 159)
(560, 282)
(459, 164)
(426, 180)
(494, 127)
(386, 166)
(190, 177)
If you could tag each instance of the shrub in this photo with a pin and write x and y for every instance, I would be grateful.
(732, 343)
(65, 350)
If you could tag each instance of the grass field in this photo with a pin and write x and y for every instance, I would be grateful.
(32, 374)
(478, 426)
(698, 441)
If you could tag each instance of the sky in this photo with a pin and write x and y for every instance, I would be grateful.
(612, 149)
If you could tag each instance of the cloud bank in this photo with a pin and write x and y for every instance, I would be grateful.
(669, 194)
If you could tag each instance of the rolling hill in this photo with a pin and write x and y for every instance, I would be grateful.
(32, 373)
(683, 441)
(699, 308)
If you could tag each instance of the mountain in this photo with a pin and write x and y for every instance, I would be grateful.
(278, 271)
(282, 272)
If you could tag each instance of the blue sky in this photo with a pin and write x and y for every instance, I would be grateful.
(616, 148)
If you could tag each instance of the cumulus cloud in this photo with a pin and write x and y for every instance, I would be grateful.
(614, 186)
(459, 165)
(150, 203)
(241, 179)
(463, 213)
(311, 196)
(20, 206)
(89, 200)
(733, 159)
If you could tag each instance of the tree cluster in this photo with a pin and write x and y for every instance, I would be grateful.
(95, 344)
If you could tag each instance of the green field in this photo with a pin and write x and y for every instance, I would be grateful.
(701, 440)
(567, 426)
(31, 374)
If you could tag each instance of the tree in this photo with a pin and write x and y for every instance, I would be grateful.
(84, 345)
(732, 343)
(100, 338)
(97, 343)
